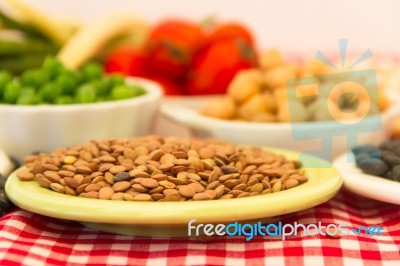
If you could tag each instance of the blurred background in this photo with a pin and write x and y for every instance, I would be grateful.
(305, 26)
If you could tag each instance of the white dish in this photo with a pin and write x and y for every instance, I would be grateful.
(280, 135)
(25, 129)
(369, 186)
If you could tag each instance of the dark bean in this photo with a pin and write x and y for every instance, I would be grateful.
(375, 154)
(360, 157)
(389, 175)
(396, 173)
(390, 145)
(387, 153)
(368, 149)
(396, 150)
(391, 160)
(373, 166)
(123, 176)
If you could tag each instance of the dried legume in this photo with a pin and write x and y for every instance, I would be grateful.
(162, 169)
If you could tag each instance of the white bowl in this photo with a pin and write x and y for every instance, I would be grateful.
(373, 187)
(308, 135)
(26, 129)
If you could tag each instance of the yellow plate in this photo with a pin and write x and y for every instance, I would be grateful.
(170, 218)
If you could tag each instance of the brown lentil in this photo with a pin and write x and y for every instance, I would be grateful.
(157, 169)
(25, 175)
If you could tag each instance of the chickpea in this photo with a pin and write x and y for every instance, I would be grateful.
(270, 100)
(283, 113)
(253, 106)
(309, 89)
(264, 117)
(293, 111)
(319, 110)
(271, 58)
(223, 108)
(383, 101)
(295, 67)
(278, 76)
(373, 109)
(280, 95)
(245, 84)
(263, 95)
(307, 93)
(299, 110)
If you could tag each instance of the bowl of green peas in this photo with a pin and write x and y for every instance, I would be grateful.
(52, 106)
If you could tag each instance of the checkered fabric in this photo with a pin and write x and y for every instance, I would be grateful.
(31, 239)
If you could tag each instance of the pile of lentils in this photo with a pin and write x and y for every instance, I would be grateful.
(382, 161)
(152, 168)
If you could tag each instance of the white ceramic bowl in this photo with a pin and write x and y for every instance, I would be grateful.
(25, 129)
(369, 186)
(300, 137)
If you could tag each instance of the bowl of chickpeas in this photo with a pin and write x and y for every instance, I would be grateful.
(52, 106)
(294, 105)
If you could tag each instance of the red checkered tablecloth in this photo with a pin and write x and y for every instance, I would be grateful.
(31, 239)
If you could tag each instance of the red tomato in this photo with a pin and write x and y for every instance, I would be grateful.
(215, 66)
(171, 47)
(132, 62)
(170, 87)
(231, 30)
(127, 61)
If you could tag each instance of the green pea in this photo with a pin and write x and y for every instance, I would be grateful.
(49, 92)
(102, 88)
(92, 71)
(52, 66)
(50, 62)
(117, 80)
(86, 94)
(79, 77)
(138, 90)
(67, 83)
(11, 92)
(64, 99)
(34, 78)
(5, 78)
(108, 83)
(122, 92)
(28, 96)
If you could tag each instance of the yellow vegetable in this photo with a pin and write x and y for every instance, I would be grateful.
(91, 38)
(52, 28)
